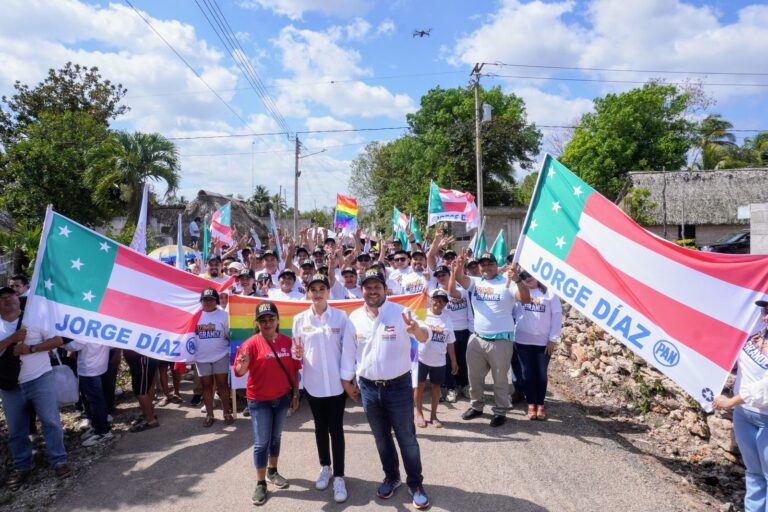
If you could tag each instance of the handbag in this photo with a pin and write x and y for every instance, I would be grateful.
(10, 365)
(287, 375)
(67, 392)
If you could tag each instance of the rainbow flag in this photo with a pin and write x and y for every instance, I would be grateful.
(346, 214)
(242, 315)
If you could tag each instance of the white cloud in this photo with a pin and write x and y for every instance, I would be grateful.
(551, 109)
(386, 28)
(316, 58)
(295, 9)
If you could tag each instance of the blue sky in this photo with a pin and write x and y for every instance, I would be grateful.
(298, 47)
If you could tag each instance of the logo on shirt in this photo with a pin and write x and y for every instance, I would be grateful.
(307, 328)
(207, 331)
(438, 334)
(191, 347)
(757, 350)
(457, 304)
(536, 308)
(389, 333)
(486, 294)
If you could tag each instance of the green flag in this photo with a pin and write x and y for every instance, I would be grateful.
(480, 245)
(206, 239)
(499, 250)
(414, 227)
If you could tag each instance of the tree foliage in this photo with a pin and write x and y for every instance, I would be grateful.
(46, 132)
(119, 168)
(441, 147)
(641, 129)
(638, 206)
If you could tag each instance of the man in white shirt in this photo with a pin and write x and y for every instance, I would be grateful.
(36, 387)
(194, 231)
(415, 281)
(383, 333)
(92, 365)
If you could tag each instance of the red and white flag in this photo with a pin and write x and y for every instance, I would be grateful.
(221, 224)
(88, 287)
(446, 205)
(688, 313)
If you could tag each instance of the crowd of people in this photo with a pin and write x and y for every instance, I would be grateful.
(482, 317)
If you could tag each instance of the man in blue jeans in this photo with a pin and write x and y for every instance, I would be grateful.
(36, 386)
(383, 355)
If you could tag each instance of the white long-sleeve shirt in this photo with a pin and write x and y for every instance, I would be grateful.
(752, 375)
(383, 344)
(539, 322)
(329, 348)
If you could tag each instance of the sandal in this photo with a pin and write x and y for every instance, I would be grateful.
(228, 418)
(541, 415)
(436, 423)
(531, 412)
(208, 421)
(142, 426)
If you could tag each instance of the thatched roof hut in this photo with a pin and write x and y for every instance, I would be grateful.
(702, 197)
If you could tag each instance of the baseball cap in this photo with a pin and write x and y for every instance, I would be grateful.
(307, 263)
(236, 265)
(318, 250)
(471, 261)
(439, 293)
(486, 256)
(450, 252)
(417, 252)
(760, 303)
(287, 272)
(266, 308)
(330, 240)
(348, 270)
(319, 278)
(373, 273)
(246, 272)
(215, 257)
(441, 268)
(209, 293)
(269, 252)
(363, 257)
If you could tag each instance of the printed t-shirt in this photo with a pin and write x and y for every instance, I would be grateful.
(212, 336)
(266, 380)
(432, 353)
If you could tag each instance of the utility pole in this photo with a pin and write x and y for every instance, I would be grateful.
(296, 189)
(478, 148)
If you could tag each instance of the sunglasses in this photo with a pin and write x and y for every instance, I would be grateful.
(400, 259)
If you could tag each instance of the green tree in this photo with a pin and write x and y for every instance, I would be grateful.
(260, 202)
(441, 147)
(637, 204)
(524, 192)
(752, 153)
(641, 129)
(119, 169)
(713, 137)
(46, 132)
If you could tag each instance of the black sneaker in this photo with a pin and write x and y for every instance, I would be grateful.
(196, 400)
(260, 494)
(498, 420)
(471, 413)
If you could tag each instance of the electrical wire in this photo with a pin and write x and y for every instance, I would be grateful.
(603, 81)
(575, 68)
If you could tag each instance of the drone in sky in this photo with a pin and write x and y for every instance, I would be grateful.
(422, 33)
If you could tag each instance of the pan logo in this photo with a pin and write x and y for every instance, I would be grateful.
(666, 354)
(191, 346)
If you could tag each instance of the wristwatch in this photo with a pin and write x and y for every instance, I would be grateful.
(32, 349)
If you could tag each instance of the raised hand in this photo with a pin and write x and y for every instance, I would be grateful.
(297, 349)
(411, 324)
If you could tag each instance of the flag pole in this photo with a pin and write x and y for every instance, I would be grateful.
(519, 246)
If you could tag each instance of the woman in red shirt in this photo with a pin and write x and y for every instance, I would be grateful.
(272, 389)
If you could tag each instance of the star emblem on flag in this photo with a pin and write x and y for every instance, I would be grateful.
(556, 206)
(64, 231)
(577, 191)
(551, 172)
(104, 246)
(534, 224)
(560, 243)
(48, 284)
(88, 296)
(77, 263)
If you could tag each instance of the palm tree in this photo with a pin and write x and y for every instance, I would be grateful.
(714, 137)
(261, 201)
(119, 169)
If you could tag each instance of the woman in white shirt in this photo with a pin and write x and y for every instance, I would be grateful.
(750, 416)
(537, 331)
(322, 336)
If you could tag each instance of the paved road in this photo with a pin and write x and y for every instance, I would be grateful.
(568, 463)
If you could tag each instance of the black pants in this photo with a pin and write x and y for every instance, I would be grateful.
(533, 372)
(460, 347)
(328, 413)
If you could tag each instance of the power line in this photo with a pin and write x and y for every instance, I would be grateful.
(602, 81)
(231, 135)
(231, 44)
(575, 68)
(335, 146)
(184, 61)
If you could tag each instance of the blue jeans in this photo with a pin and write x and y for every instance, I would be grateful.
(267, 419)
(390, 408)
(41, 394)
(751, 431)
(92, 390)
(532, 376)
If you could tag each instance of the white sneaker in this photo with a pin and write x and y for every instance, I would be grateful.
(451, 396)
(85, 424)
(98, 438)
(323, 479)
(88, 433)
(339, 490)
